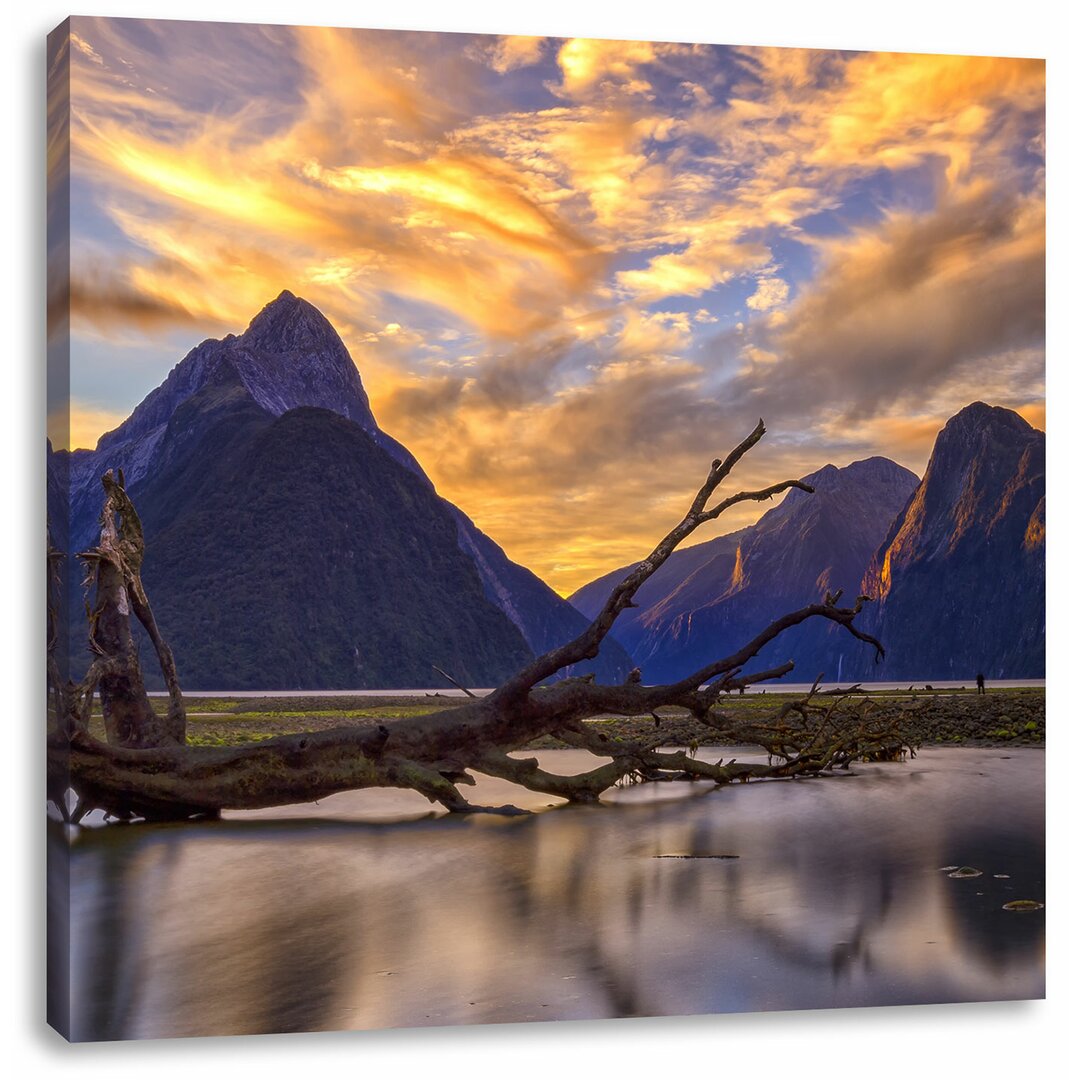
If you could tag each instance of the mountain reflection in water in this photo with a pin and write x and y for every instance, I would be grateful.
(367, 911)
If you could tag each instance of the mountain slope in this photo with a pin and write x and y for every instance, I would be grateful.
(292, 551)
(724, 592)
(680, 567)
(960, 575)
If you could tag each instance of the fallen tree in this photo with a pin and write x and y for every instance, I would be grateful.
(144, 769)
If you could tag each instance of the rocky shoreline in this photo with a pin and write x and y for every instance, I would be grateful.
(1015, 717)
(930, 718)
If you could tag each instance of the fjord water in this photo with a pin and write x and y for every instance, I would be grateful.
(368, 911)
(768, 688)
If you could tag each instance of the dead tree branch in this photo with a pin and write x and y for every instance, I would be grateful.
(450, 679)
(145, 769)
(587, 645)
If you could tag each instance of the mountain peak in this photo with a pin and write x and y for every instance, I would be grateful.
(968, 547)
(978, 415)
(290, 355)
(872, 473)
(876, 465)
(290, 324)
(979, 439)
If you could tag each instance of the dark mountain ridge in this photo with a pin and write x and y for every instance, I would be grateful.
(960, 575)
(956, 560)
(195, 424)
(955, 564)
(720, 594)
(295, 545)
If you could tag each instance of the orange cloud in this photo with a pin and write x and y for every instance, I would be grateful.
(586, 62)
(465, 193)
(389, 179)
(898, 107)
(1034, 413)
(509, 53)
(88, 424)
(467, 232)
(715, 253)
(900, 309)
(876, 110)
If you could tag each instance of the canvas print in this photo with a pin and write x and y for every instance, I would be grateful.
(538, 529)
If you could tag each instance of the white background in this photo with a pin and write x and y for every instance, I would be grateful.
(996, 1040)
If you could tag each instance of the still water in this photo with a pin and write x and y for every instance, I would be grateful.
(369, 911)
(442, 691)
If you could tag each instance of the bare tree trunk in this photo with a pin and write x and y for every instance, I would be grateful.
(145, 770)
(113, 569)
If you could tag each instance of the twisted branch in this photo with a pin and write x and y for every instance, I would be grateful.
(150, 773)
(587, 645)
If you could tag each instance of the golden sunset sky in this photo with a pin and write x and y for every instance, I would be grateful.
(570, 272)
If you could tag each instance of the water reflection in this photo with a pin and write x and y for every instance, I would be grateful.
(261, 923)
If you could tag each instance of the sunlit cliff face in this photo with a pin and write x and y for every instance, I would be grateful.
(570, 272)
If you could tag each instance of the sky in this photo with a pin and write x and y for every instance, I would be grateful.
(571, 272)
